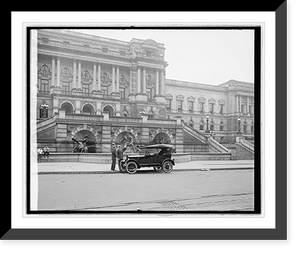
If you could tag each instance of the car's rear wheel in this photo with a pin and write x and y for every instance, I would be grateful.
(167, 167)
(158, 169)
(131, 167)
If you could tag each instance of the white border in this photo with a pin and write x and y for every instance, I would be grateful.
(19, 221)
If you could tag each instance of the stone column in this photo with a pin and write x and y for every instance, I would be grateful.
(74, 75)
(237, 104)
(130, 81)
(248, 102)
(240, 104)
(118, 79)
(99, 77)
(162, 83)
(144, 81)
(53, 72)
(157, 83)
(94, 76)
(113, 79)
(79, 75)
(58, 73)
(139, 80)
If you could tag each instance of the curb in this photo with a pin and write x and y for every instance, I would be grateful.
(118, 172)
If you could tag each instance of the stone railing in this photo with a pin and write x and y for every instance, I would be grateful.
(219, 147)
(246, 144)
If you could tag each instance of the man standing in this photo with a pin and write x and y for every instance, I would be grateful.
(113, 157)
(120, 155)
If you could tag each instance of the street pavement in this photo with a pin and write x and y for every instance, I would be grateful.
(88, 168)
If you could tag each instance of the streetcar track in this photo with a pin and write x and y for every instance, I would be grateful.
(169, 201)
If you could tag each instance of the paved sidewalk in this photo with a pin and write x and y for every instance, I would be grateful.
(85, 168)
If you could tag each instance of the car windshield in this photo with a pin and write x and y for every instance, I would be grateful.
(151, 151)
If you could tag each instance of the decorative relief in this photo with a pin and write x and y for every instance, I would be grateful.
(150, 81)
(123, 82)
(66, 75)
(44, 72)
(73, 129)
(105, 80)
(62, 101)
(155, 131)
(86, 77)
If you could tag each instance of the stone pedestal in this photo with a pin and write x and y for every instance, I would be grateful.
(106, 139)
(160, 99)
(141, 97)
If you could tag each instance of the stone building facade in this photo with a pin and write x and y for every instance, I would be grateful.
(103, 87)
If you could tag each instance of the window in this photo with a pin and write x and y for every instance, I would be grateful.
(201, 107)
(122, 92)
(245, 128)
(251, 109)
(211, 126)
(201, 126)
(211, 108)
(252, 129)
(221, 127)
(150, 114)
(85, 88)
(179, 105)
(105, 90)
(243, 108)
(66, 87)
(149, 93)
(191, 106)
(169, 103)
(44, 85)
(191, 123)
(221, 109)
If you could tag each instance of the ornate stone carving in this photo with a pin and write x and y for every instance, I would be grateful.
(86, 77)
(123, 82)
(66, 75)
(44, 72)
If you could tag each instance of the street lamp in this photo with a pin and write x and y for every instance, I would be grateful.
(207, 129)
(239, 125)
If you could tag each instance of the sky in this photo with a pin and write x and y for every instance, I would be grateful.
(201, 56)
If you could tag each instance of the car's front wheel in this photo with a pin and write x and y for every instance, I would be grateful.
(167, 166)
(131, 167)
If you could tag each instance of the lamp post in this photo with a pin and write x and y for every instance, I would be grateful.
(207, 128)
(239, 125)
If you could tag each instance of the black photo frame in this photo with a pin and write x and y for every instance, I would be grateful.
(277, 233)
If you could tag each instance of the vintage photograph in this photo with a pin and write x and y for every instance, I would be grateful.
(144, 120)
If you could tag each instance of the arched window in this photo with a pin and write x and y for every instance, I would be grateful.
(88, 109)
(67, 107)
(109, 109)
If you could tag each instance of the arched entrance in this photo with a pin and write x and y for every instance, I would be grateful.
(67, 107)
(91, 141)
(88, 109)
(162, 138)
(109, 109)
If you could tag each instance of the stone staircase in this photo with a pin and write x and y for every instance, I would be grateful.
(213, 145)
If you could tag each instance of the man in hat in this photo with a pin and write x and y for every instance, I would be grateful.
(113, 157)
(120, 152)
